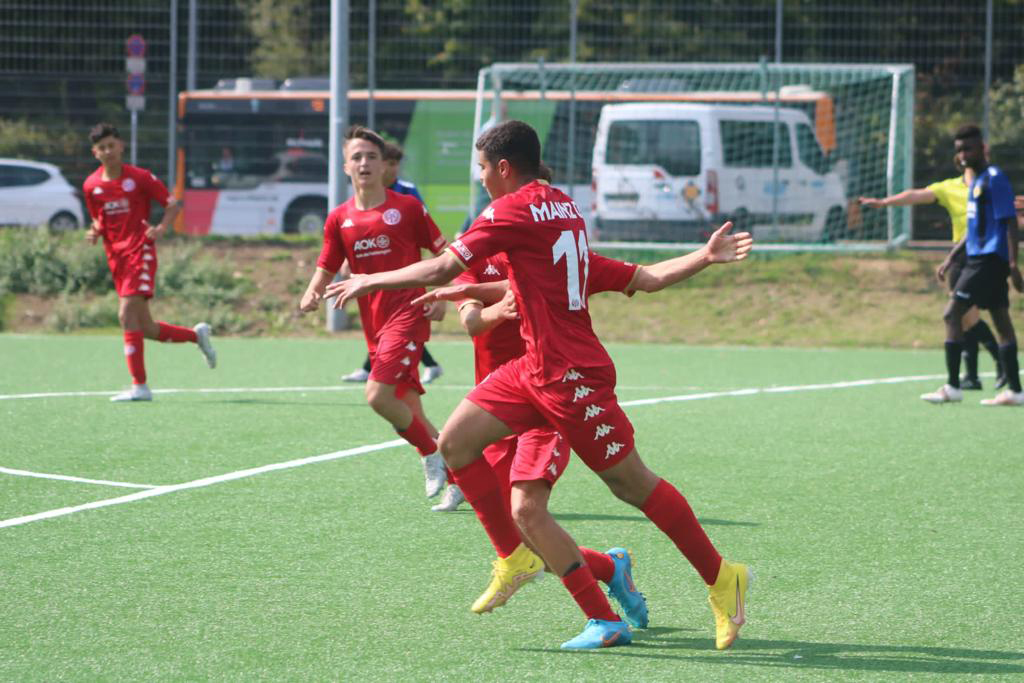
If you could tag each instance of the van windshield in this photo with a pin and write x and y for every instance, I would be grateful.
(672, 145)
(750, 144)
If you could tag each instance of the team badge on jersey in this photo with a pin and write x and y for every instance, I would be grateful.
(128, 185)
(391, 217)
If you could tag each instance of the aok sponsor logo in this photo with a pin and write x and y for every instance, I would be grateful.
(368, 243)
(116, 206)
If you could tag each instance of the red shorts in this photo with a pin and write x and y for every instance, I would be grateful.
(135, 273)
(396, 361)
(539, 454)
(582, 406)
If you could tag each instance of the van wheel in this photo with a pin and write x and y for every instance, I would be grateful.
(741, 221)
(835, 224)
(305, 216)
(63, 221)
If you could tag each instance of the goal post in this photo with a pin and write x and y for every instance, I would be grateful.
(661, 154)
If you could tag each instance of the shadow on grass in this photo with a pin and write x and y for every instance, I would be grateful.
(588, 517)
(652, 643)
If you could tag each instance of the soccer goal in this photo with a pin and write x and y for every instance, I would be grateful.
(660, 154)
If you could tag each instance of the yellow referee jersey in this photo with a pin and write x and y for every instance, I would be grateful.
(951, 194)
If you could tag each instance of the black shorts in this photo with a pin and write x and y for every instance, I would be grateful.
(982, 282)
(955, 268)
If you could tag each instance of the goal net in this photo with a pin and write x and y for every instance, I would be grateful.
(663, 153)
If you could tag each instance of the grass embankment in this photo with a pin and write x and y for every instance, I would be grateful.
(251, 286)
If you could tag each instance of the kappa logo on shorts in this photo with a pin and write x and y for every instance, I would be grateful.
(592, 411)
(581, 392)
(405, 361)
(603, 431)
(411, 346)
(145, 276)
(572, 374)
(613, 448)
(143, 287)
(147, 257)
(553, 468)
(391, 217)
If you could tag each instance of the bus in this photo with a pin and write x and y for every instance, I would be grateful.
(252, 154)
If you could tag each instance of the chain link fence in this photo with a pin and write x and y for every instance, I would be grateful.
(62, 62)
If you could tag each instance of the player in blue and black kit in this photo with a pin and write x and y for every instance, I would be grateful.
(991, 245)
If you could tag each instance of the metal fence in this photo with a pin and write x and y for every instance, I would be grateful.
(62, 62)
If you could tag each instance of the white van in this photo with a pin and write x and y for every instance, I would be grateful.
(672, 172)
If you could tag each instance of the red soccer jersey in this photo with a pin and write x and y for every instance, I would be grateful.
(503, 342)
(121, 205)
(386, 237)
(540, 230)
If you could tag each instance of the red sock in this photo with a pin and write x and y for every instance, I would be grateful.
(601, 564)
(175, 333)
(416, 434)
(133, 355)
(583, 587)
(481, 489)
(670, 512)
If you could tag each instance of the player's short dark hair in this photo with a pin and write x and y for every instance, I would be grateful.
(544, 172)
(514, 141)
(967, 132)
(102, 130)
(393, 152)
(364, 133)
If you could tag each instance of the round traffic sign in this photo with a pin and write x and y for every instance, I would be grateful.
(135, 46)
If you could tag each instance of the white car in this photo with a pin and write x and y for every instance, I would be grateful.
(35, 193)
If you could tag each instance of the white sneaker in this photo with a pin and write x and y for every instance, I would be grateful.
(433, 472)
(138, 392)
(1005, 398)
(945, 394)
(451, 500)
(203, 333)
(430, 373)
(357, 375)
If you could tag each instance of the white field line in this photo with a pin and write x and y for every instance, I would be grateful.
(225, 390)
(240, 474)
(199, 483)
(64, 477)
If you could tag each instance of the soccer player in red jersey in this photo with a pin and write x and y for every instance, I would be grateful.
(566, 378)
(378, 230)
(527, 465)
(118, 197)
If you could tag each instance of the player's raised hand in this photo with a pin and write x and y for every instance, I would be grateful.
(725, 248)
(153, 231)
(506, 308)
(349, 289)
(446, 293)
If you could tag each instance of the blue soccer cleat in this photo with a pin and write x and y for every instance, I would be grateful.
(600, 633)
(632, 602)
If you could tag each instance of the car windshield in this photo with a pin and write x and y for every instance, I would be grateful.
(672, 145)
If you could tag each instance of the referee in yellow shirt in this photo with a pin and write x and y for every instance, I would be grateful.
(951, 194)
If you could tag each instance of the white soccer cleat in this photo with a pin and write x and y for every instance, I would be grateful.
(203, 333)
(430, 373)
(433, 472)
(451, 500)
(138, 392)
(1005, 398)
(944, 394)
(357, 375)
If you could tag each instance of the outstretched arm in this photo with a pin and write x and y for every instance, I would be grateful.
(433, 271)
(720, 248)
(484, 292)
(905, 198)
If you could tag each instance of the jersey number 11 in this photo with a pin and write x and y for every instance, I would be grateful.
(566, 246)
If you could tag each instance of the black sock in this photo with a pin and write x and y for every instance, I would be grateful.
(971, 353)
(428, 360)
(366, 364)
(953, 351)
(1008, 353)
(983, 333)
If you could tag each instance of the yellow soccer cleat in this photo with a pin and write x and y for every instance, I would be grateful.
(509, 573)
(728, 599)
